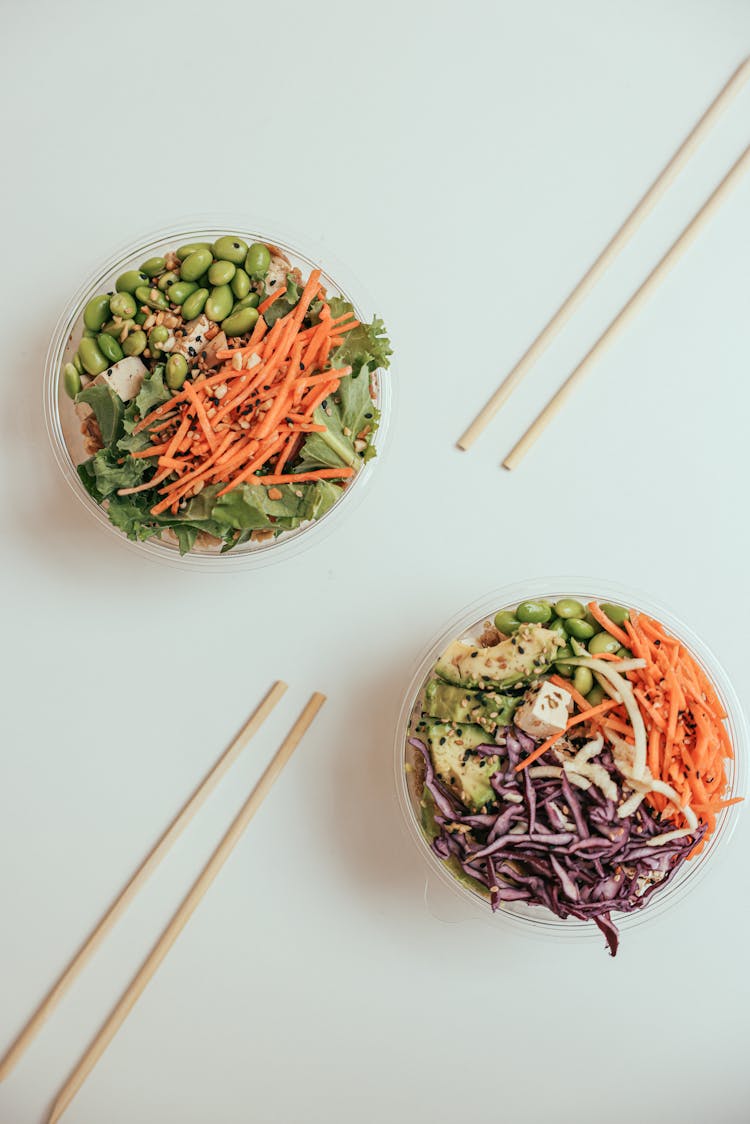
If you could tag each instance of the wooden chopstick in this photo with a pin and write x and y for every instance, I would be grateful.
(634, 220)
(147, 867)
(628, 312)
(185, 910)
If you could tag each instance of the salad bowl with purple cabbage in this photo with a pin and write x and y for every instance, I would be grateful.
(571, 759)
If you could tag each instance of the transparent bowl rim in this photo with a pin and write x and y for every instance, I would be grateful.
(538, 921)
(201, 228)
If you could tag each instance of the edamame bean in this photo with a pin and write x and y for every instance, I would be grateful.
(506, 622)
(240, 322)
(221, 272)
(88, 334)
(592, 621)
(194, 304)
(151, 297)
(595, 695)
(96, 313)
(257, 260)
(180, 291)
(618, 614)
(109, 347)
(167, 279)
(195, 264)
(624, 654)
(250, 301)
(603, 642)
(568, 607)
(230, 248)
(560, 665)
(557, 625)
(128, 282)
(140, 318)
(135, 343)
(582, 630)
(123, 304)
(77, 363)
(533, 612)
(71, 380)
(219, 304)
(91, 357)
(583, 680)
(153, 266)
(190, 248)
(176, 371)
(157, 336)
(240, 284)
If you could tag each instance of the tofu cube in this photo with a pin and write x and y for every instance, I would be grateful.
(194, 341)
(546, 712)
(124, 377)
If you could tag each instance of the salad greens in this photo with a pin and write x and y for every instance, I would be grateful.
(279, 384)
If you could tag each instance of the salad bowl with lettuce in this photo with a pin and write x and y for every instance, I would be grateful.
(214, 394)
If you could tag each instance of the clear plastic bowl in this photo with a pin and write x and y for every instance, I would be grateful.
(469, 904)
(63, 425)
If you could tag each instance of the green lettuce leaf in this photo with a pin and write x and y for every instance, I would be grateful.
(135, 442)
(86, 473)
(109, 475)
(131, 514)
(186, 536)
(108, 408)
(248, 507)
(284, 304)
(358, 411)
(365, 345)
(153, 392)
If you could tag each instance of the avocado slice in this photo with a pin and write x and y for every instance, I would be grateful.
(459, 704)
(525, 655)
(464, 773)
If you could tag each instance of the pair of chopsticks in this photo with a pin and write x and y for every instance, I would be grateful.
(605, 259)
(180, 919)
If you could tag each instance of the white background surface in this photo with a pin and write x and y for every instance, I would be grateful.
(468, 161)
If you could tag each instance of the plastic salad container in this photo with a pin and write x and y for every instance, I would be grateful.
(64, 424)
(470, 899)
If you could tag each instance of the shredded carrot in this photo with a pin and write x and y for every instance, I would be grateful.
(241, 420)
(688, 743)
(601, 617)
(266, 304)
(298, 477)
(566, 685)
(618, 724)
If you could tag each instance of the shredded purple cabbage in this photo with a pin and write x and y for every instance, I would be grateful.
(560, 846)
